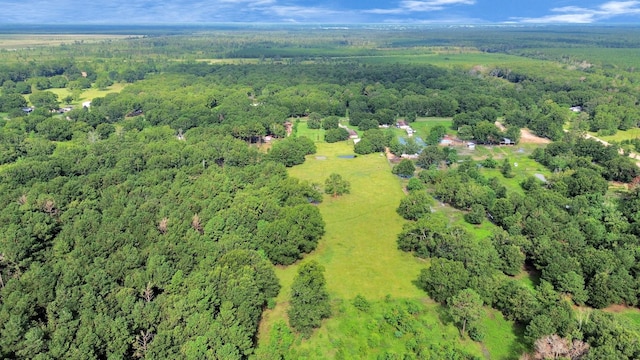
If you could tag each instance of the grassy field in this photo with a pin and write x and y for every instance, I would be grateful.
(423, 125)
(621, 135)
(352, 250)
(360, 256)
(464, 59)
(21, 41)
(86, 95)
(518, 154)
(625, 58)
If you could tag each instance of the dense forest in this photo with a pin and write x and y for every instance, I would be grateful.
(151, 222)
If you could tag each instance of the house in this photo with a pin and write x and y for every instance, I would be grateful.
(401, 124)
(576, 108)
(352, 134)
(86, 104)
(447, 140)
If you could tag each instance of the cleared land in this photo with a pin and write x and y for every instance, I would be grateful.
(360, 255)
(359, 249)
(19, 41)
(86, 95)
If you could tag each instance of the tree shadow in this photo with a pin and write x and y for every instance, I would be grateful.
(518, 347)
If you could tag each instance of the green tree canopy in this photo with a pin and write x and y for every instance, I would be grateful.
(309, 299)
(336, 186)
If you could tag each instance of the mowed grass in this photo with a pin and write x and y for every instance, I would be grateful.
(86, 95)
(503, 339)
(518, 154)
(621, 135)
(360, 257)
(359, 248)
(423, 125)
(632, 316)
(459, 59)
(19, 41)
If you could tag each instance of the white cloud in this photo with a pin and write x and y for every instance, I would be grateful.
(293, 12)
(580, 15)
(411, 6)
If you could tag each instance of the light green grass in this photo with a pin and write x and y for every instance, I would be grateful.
(316, 135)
(19, 41)
(359, 248)
(621, 135)
(353, 334)
(631, 316)
(526, 166)
(423, 125)
(360, 257)
(503, 338)
(86, 95)
(465, 59)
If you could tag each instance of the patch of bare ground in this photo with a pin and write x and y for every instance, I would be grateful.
(618, 308)
(527, 137)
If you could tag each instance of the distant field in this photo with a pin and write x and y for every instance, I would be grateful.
(86, 95)
(466, 59)
(18, 41)
(625, 58)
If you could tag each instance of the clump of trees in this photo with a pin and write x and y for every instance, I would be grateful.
(309, 299)
(552, 226)
(404, 169)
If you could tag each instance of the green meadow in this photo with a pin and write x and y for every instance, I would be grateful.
(360, 257)
(359, 247)
(86, 95)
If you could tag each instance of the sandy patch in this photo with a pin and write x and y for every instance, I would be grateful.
(527, 137)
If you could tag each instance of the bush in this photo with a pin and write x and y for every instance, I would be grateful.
(405, 168)
(415, 184)
(476, 215)
(360, 303)
(335, 135)
(332, 122)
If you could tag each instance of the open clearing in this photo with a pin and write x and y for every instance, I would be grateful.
(360, 257)
(19, 41)
(359, 249)
(86, 95)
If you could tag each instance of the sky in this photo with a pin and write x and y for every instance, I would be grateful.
(131, 12)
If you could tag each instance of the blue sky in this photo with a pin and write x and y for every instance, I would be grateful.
(319, 11)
